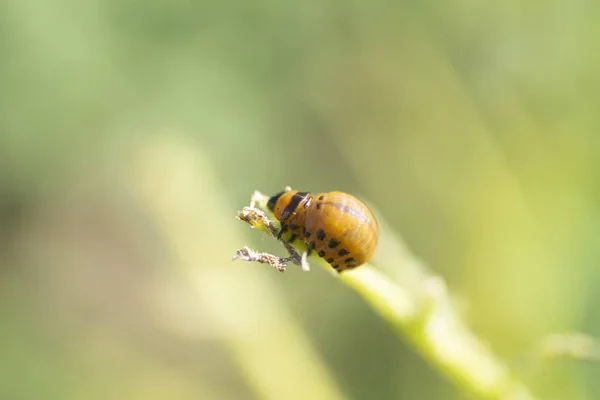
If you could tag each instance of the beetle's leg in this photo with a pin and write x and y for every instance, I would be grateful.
(284, 228)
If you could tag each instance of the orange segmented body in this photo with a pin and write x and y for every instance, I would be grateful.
(338, 226)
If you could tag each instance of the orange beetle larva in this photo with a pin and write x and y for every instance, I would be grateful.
(338, 226)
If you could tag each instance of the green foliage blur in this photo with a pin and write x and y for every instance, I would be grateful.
(471, 126)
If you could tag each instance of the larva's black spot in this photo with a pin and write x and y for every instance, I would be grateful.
(321, 197)
(286, 214)
(306, 233)
(293, 204)
(343, 252)
(321, 253)
(320, 234)
(311, 245)
(335, 266)
(332, 243)
(318, 206)
(330, 260)
(294, 236)
(349, 260)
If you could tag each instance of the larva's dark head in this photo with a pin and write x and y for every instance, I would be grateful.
(284, 204)
(273, 200)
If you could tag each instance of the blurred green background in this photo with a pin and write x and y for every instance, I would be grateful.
(472, 127)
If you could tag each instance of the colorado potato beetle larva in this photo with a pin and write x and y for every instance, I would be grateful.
(336, 225)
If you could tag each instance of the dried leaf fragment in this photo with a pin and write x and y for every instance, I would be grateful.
(259, 220)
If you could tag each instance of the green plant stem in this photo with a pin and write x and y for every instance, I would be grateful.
(439, 336)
